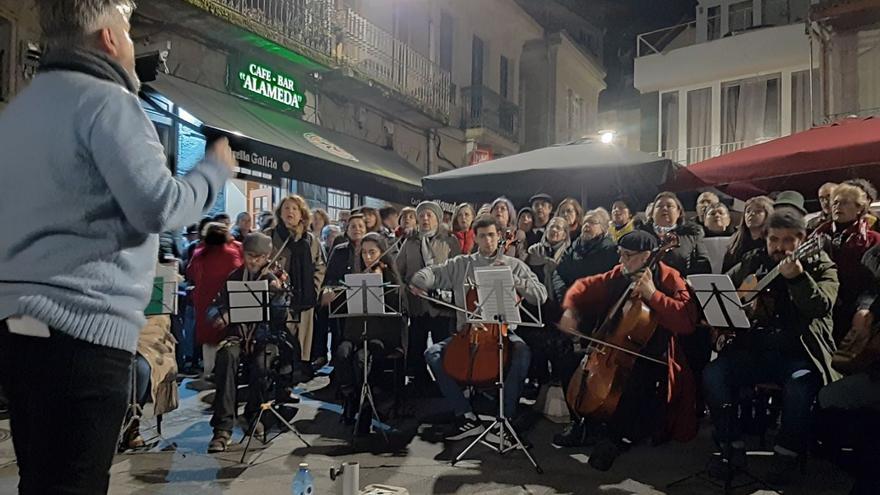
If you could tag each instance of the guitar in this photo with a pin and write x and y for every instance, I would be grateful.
(753, 285)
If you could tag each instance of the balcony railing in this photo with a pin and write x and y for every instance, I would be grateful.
(378, 55)
(484, 108)
(689, 156)
(656, 41)
(306, 22)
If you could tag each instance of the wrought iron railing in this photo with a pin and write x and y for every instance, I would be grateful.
(482, 107)
(689, 156)
(307, 22)
(378, 55)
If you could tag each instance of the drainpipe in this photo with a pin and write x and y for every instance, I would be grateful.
(431, 136)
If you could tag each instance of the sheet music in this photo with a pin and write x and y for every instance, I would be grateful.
(163, 296)
(354, 293)
(716, 248)
(703, 287)
(490, 280)
(248, 301)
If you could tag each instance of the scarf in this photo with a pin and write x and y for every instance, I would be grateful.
(300, 267)
(662, 231)
(89, 62)
(427, 252)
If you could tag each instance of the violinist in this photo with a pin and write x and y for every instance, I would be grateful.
(790, 343)
(245, 342)
(343, 259)
(642, 405)
(348, 360)
(452, 275)
(515, 240)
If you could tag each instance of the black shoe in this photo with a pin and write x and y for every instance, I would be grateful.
(574, 435)
(462, 427)
(349, 409)
(725, 466)
(365, 422)
(604, 455)
(784, 469)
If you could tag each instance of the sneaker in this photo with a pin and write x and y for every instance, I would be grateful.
(462, 427)
(219, 442)
(604, 455)
(574, 435)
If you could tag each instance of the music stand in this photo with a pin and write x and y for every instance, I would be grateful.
(720, 303)
(497, 304)
(249, 303)
(365, 297)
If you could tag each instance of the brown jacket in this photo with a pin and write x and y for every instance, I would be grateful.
(156, 345)
(409, 261)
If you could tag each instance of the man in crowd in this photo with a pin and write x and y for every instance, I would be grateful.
(389, 216)
(622, 221)
(452, 275)
(542, 206)
(704, 201)
(824, 215)
(790, 345)
(77, 275)
(242, 226)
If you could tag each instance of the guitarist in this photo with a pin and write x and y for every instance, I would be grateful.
(790, 344)
(665, 293)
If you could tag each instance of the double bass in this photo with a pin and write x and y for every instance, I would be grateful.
(598, 384)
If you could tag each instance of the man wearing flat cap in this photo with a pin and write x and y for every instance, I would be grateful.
(245, 341)
(542, 207)
(656, 399)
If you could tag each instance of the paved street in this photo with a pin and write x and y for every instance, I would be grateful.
(408, 461)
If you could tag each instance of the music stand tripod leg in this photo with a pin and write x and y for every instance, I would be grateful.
(251, 433)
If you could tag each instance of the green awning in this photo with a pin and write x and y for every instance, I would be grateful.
(282, 145)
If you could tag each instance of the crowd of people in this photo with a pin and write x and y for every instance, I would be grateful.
(573, 263)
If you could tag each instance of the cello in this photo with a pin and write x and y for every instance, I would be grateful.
(596, 387)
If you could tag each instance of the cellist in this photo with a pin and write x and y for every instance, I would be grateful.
(641, 407)
(452, 275)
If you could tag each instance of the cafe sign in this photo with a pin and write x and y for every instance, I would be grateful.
(259, 82)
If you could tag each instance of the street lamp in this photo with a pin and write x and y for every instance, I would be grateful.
(607, 137)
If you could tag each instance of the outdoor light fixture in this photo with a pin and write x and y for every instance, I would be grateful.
(606, 137)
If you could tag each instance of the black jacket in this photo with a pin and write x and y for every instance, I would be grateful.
(340, 262)
(690, 257)
(583, 259)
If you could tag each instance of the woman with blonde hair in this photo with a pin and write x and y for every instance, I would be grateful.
(303, 260)
(573, 213)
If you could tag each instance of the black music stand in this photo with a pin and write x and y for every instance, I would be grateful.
(499, 306)
(365, 299)
(252, 306)
(720, 304)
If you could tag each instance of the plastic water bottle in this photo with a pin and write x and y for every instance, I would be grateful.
(303, 483)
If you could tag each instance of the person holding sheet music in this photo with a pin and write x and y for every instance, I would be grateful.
(790, 343)
(453, 275)
(348, 359)
(657, 398)
(245, 341)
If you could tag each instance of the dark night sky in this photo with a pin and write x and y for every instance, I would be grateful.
(624, 20)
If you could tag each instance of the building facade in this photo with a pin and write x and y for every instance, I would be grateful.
(741, 73)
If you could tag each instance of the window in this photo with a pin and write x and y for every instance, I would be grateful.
(503, 87)
(750, 111)
(740, 16)
(699, 124)
(5, 58)
(446, 41)
(337, 201)
(801, 119)
(477, 51)
(713, 23)
(669, 125)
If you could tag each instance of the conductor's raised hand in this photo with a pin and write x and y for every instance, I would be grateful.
(221, 153)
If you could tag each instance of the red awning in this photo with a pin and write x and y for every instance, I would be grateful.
(846, 149)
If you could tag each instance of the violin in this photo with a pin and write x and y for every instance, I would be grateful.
(598, 384)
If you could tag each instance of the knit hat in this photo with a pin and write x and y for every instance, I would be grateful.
(257, 243)
(431, 206)
(638, 240)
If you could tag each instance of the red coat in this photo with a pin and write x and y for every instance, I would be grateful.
(208, 270)
(676, 314)
(465, 240)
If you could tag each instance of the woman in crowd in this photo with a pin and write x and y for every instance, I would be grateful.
(216, 257)
(573, 213)
(622, 220)
(503, 211)
(668, 218)
(303, 260)
(407, 222)
(320, 219)
(461, 226)
(850, 239)
(751, 232)
(717, 221)
(371, 218)
(348, 359)
(525, 219)
(543, 258)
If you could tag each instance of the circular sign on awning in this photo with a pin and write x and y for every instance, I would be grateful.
(329, 147)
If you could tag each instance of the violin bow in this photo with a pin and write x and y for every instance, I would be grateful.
(616, 347)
